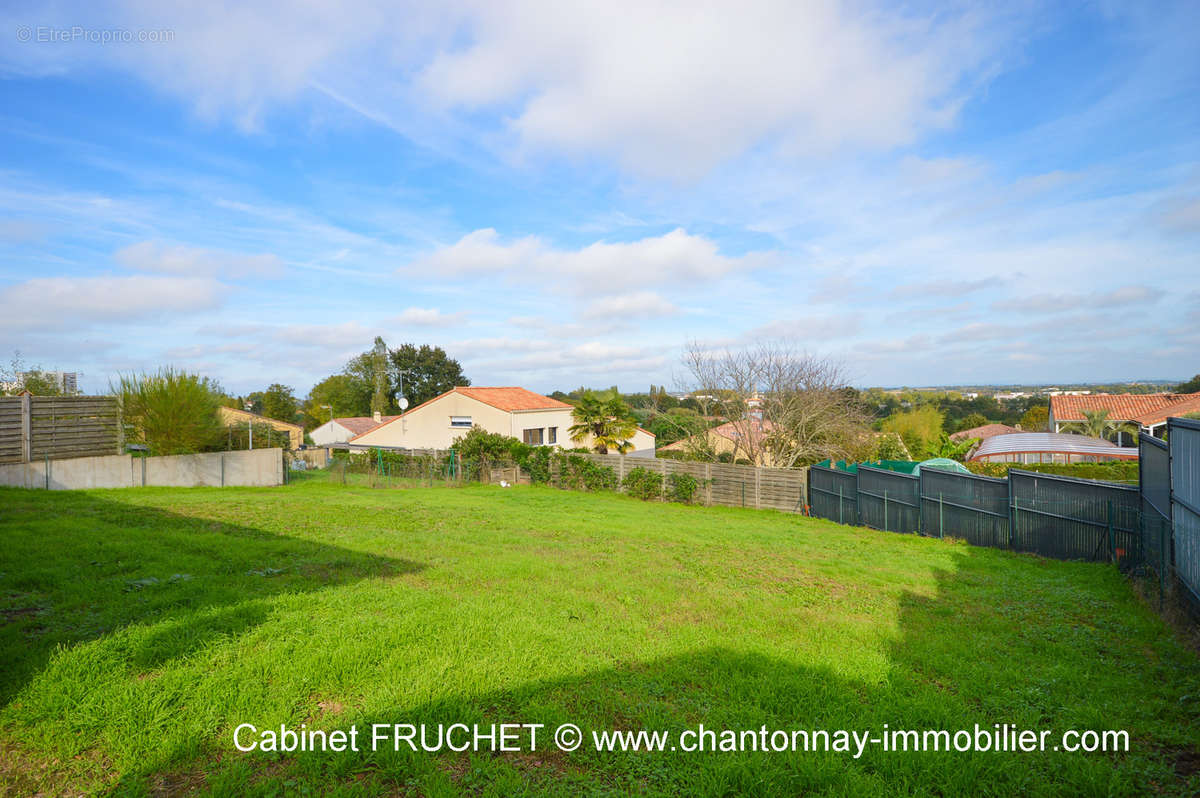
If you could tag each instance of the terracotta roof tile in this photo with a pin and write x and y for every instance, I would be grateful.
(511, 398)
(360, 424)
(1174, 409)
(1120, 406)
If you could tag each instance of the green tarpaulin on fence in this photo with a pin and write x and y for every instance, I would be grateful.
(900, 466)
(944, 463)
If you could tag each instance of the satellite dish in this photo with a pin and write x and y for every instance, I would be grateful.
(403, 404)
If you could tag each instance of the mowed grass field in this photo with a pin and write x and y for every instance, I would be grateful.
(141, 626)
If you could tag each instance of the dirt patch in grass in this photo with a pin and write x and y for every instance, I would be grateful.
(23, 773)
(180, 782)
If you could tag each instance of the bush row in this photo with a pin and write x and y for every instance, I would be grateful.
(1120, 471)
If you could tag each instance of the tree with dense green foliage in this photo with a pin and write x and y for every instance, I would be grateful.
(429, 372)
(171, 412)
(919, 428)
(606, 419)
(279, 402)
(373, 381)
(676, 425)
(1191, 386)
(349, 395)
(1036, 419)
(972, 420)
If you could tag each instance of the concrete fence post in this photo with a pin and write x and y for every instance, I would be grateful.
(708, 484)
(26, 429)
(757, 488)
(662, 491)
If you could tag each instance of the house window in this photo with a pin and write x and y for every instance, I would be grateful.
(460, 421)
(533, 437)
(552, 435)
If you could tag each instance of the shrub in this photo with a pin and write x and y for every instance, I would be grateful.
(643, 484)
(479, 445)
(171, 412)
(537, 463)
(580, 473)
(1124, 471)
(682, 487)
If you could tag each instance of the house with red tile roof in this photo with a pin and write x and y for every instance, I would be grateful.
(740, 440)
(342, 429)
(513, 411)
(1149, 410)
(1156, 420)
(983, 432)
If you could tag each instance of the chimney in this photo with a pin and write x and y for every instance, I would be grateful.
(378, 417)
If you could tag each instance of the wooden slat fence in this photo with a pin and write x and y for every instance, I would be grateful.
(722, 483)
(58, 427)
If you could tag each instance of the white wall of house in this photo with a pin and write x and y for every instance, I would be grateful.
(437, 423)
(330, 432)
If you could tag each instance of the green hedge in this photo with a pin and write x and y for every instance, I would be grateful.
(1119, 471)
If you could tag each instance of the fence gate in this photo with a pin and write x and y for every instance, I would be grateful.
(1184, 437)
(833, 494)
(1074, 519)
(889, 500)
(966, 506)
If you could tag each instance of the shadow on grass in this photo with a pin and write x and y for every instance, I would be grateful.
(1055, 655)
(77, 566)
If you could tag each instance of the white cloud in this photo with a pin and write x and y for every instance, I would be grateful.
(943, 288)
(665, 89)
(425, 317)
(675, 89)
(155, 256)
(73, 302)
(641, 304)
(607, 267)
(1063, 303)
(813, 331)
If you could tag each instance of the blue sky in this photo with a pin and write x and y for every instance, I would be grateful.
(566, 193)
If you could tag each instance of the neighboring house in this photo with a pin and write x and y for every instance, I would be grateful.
(728, 439)
(341, 430)
(1155, 421)
(983, 432)
(535, 419)
(1048, 447)
(232, 417)
(1145, 409)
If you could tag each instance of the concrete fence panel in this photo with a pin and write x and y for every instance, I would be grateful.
(255, 468)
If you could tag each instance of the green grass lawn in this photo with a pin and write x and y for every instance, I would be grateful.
(141, 626)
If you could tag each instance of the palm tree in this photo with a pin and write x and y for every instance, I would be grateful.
(1095, 424)
(606, 419)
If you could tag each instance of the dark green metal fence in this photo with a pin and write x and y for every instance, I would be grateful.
(889, 500)
(1074, 519)
(966, 506)
(833, 494)
(1061, 517)
(1154, 485)
(1183, 436)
